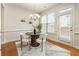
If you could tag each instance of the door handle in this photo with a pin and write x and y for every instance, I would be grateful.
(71, 30)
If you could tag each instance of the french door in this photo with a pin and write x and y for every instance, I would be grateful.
(65, 27)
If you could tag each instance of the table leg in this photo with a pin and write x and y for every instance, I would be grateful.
(21, 41)
(42, 45)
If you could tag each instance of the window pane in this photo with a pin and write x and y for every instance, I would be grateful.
(51, 22)
(65, 21)
(65, 27)
(50, 28)
(43, 23)
(43, 19)
(51, 18)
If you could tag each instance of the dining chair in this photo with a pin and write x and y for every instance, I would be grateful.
(25, 40)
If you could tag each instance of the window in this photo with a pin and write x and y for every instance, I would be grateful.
(43, 19)
(51, 23)
(43, 23)
(65, 20)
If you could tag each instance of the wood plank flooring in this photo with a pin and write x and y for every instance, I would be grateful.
(73, 51)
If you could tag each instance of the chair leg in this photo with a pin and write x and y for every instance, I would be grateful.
(29, 45)
(21, 45)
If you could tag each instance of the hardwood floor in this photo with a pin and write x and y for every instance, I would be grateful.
(9, 49)
(73, 51)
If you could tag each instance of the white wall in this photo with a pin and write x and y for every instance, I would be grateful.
(77, 18)
(76, 30)
(0, 22)
(0, 28)
(0, 16)
(12, 17)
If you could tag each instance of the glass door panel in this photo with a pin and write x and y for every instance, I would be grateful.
(65, 27)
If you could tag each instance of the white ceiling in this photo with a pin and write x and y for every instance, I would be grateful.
(35, 7)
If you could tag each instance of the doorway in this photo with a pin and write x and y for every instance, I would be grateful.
(65, 26)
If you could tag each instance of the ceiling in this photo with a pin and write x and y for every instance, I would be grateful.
(35, 7)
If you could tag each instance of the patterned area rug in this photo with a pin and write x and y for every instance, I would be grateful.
(51, 50)
(57, 53)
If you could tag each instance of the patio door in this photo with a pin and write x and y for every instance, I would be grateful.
(65, 27)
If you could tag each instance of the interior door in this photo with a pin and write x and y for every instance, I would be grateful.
(65, 27)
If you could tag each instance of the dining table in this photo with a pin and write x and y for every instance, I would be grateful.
(34, 38)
